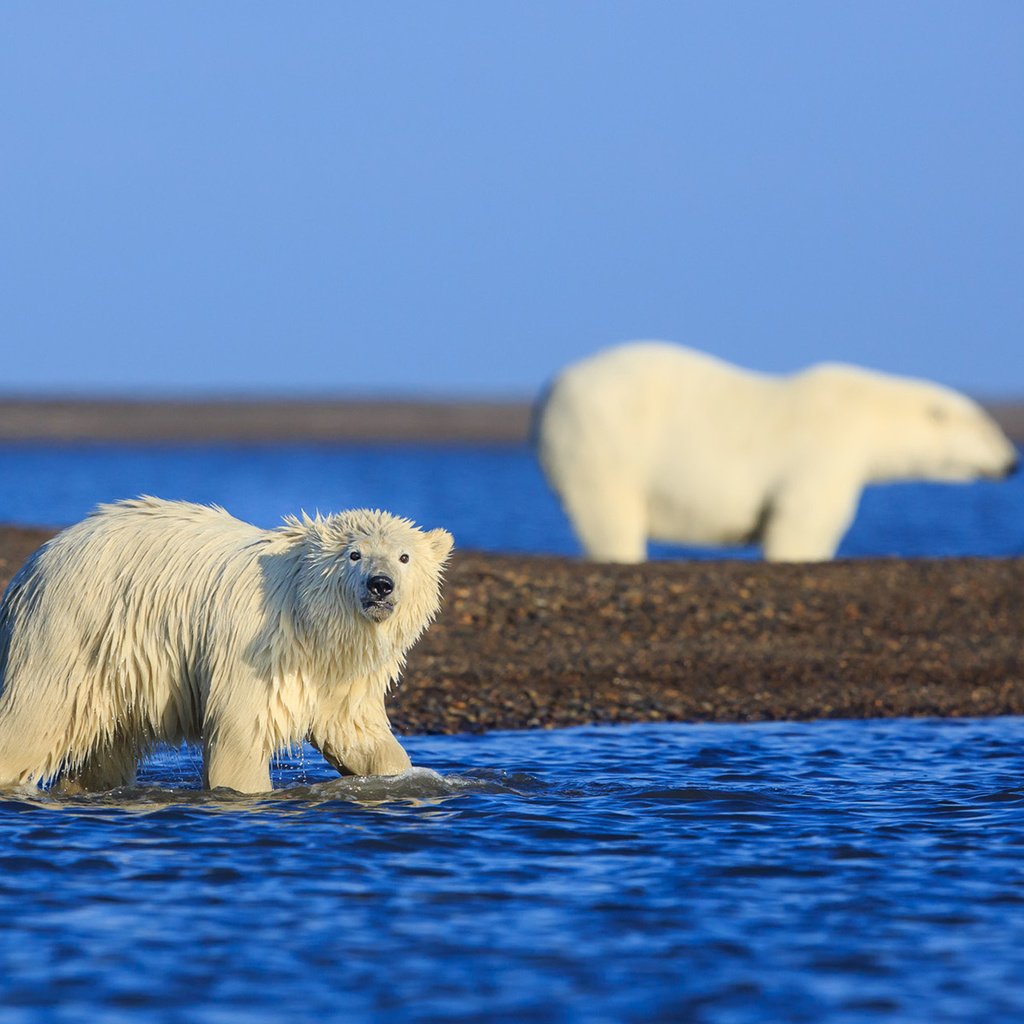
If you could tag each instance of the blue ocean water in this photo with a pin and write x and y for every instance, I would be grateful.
(491, 498)
(833, 871)
(818, 872)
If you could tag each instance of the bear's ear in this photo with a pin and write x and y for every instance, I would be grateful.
(441, 543)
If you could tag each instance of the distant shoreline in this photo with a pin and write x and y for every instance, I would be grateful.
(270, 420)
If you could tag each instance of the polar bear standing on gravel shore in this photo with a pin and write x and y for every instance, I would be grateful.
(156, 621)
(653, 440)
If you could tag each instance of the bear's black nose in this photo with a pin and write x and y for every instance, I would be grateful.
(380, 586)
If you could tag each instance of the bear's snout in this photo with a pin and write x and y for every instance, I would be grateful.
(379, 601)
(380, 586)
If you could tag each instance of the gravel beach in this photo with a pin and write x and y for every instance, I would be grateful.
(526, 642)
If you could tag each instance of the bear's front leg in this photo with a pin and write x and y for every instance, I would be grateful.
(809, 517)
(233, 758)
(378, 753)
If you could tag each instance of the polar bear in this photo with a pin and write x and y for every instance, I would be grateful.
(159, 621)
(653, 440)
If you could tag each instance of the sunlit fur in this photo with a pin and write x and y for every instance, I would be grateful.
(155, 621)
(653, 440)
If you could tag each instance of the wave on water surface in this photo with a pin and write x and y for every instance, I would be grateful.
(169, 783)
(804, 872)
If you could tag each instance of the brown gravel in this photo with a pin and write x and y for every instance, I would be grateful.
(552, 642)
(528, 641)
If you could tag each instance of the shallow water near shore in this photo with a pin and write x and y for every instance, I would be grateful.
(829, 871)
(492, 498)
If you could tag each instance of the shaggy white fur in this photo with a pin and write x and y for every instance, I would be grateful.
(155, 621)
(653, 440)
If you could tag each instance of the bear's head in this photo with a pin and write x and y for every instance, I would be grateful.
(907, 428)
(948, 437)
(366, 570)
(390, 563)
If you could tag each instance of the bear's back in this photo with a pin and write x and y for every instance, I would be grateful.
(146, 536)
(168, 558)
(649, 406)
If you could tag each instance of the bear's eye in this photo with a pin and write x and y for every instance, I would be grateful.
(403, 558)
(354, 556)
(938, 414)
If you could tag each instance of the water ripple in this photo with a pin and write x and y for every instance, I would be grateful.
(831, 871)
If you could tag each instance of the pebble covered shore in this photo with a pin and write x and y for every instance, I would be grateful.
(529, 641)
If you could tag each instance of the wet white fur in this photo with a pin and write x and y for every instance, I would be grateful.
(155, 621)
(653, 440)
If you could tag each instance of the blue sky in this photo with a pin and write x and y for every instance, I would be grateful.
(458, 198)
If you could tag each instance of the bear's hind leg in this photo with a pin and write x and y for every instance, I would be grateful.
(610, 522)
(109, 767)
(31, 750)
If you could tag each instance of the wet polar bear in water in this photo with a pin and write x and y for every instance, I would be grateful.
(653, 440)
(157, 621)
